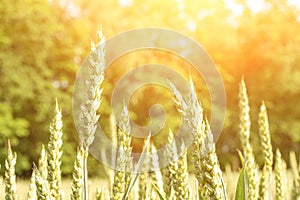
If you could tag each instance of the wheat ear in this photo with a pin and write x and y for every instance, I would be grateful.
(124, 159)
(168, 172)
(92, 100)
(155, 174)
(9, 175)
(211, 173)
(54, 154)
(124, 141)
(143, 187)
(43, 163)
(265, 139)
(77, 184)
(279, 168)
(32, 187)
(114, 139)
(296, 186)
(263, 184)
(42, 188)
(245, 123)
(181, 176)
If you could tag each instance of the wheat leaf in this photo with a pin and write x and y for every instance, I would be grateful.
(241, 192)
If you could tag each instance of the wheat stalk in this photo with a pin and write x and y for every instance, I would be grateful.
(77, 184)
(9, 174)
(245, 124)
(279, 168)
(92, 100)
(32, 187)
(54, 154)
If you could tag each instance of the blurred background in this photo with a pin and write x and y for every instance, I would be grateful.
(44, 42)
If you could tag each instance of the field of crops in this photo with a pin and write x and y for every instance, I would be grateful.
(205, 181)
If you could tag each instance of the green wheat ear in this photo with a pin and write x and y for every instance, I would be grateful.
(9, 174)
(265, 138)
(245, 123)
(54, 154)
(77, 184)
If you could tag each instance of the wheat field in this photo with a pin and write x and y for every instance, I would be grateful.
(206, 181)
